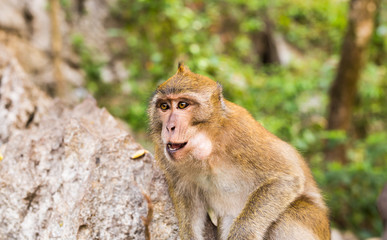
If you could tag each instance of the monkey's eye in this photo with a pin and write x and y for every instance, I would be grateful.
(182, 105)
(164, 106)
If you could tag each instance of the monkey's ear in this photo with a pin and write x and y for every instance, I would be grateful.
(181, 68)
(219, 88)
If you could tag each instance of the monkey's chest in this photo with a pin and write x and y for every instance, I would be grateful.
(224, 197)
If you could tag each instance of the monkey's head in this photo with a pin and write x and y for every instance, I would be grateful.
(180, 110)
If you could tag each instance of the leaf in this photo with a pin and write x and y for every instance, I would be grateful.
(139, 154)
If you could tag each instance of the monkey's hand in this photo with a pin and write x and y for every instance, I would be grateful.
(264, 207)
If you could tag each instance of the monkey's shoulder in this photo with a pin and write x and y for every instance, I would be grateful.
(243, 128)
(247, 140)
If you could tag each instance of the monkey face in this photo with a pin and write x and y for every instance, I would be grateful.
(180, 138)
(179, 111)
(175, 115)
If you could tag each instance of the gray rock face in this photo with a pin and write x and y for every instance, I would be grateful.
(68, 173)
(25, 28)
(22, 105)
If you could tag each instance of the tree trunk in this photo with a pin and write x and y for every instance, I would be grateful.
(56, 47)
(382, 207)
(344, 88)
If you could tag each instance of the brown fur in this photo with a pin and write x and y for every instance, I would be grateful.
(257, 186)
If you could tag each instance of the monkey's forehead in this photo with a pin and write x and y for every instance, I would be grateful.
(168, 91)
(188, 82)
(188, 96)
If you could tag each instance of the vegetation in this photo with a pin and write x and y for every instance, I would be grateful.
(216, 38)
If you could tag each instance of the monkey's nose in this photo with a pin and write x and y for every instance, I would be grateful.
(171, 128)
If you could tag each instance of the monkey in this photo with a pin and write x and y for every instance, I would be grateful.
(220, 163)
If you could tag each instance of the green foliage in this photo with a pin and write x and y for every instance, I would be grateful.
(206, 34)
(89, 64)
(311, 23)
(92, 66)
(214, 38)
(351, 192)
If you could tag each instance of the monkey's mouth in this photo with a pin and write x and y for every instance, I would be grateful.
(174, 147)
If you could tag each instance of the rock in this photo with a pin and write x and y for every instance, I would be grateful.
(25, 28)
(338, 235)
(382, 207)
(67, 173)
(11, 17)
(22, 105)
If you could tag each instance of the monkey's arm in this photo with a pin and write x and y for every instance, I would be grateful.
(191, 215)
(264, 206)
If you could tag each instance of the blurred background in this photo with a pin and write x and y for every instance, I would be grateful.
(312, 72)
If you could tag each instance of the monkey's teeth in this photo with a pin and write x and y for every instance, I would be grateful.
(171, 148)
(175, 146)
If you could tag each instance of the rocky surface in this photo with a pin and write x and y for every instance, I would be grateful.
(338, 235)
(25, 29)
(68, 173)
(22, 105)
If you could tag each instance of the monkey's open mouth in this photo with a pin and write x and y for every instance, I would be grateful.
(173, 147)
